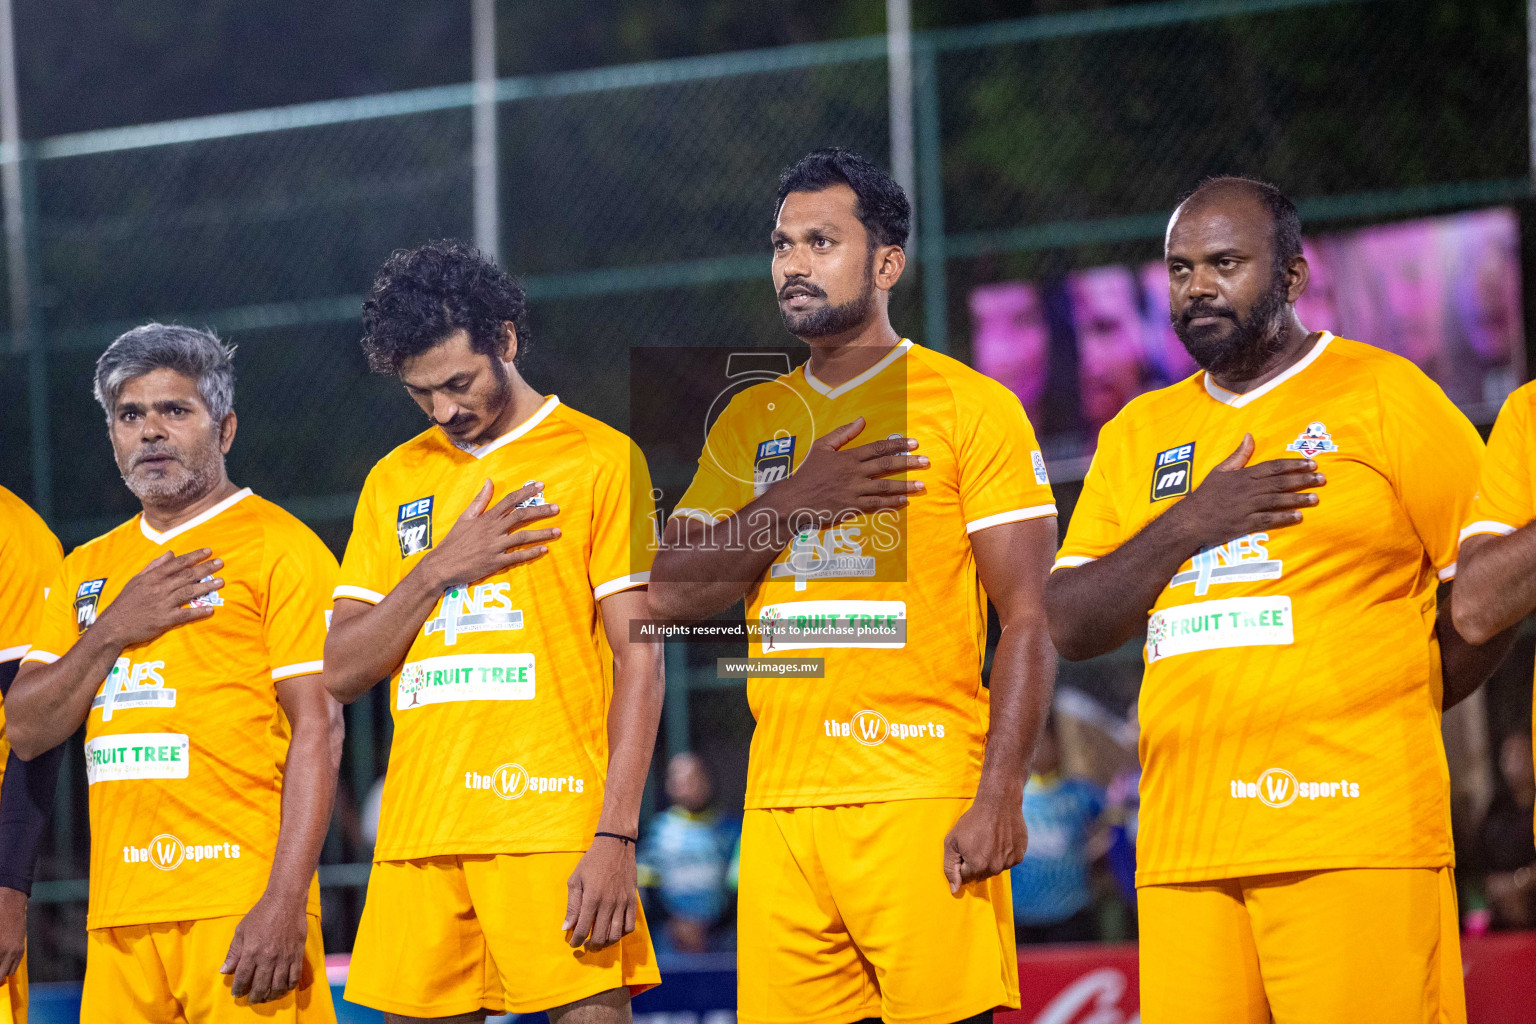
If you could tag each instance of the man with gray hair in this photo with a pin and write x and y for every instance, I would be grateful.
(189, 641)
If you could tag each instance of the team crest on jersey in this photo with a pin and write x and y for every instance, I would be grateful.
(414, 526)
(1171, 471)
(212, 599)
(537, 499)
(773, 462)
(1313, 441)
(86, 596)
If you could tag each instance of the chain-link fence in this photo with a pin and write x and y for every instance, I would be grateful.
(636, 204)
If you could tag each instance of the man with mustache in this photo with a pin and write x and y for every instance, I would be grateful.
(1277, 528)
(30, 556)
(504, 876)
(211, 744)
(884, 801)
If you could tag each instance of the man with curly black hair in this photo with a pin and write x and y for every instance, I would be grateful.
(524, 715)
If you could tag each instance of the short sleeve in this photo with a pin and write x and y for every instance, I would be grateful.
(1503, 503)
(1094, 529)
(1434, 456)
(365, 572)
(301, 572)
(722, 486)
(55, 630)
(623, 522)
(1002, 472)
(30, 557)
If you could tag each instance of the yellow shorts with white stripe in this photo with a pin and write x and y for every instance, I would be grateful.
(169, 973)
(845, 913)
(1353, 946)
(449, 935)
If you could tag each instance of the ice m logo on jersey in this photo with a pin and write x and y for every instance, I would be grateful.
(1242, 560)
(414, 526)
(1313, 441)
(129, 686)
(86, 597)
(1171, 471)
(478, 609)
(773, 462)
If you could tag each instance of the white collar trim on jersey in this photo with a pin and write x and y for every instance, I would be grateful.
(847, 386)
(197, 520)
(518, 431)
(1237, 401)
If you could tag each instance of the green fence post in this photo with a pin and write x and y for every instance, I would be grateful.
(27, 323)
(364, 753)
(675, 710)
(930, 195)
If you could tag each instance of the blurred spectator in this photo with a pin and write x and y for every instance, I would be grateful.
(1505, 839)
(368, 815)
(1123, 805)
(1012, 341)
(1111, 363)
(686, 856)
(1171, 361)
(1318, 307)
(1052, 901)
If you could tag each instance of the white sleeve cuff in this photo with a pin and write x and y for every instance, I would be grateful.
(303, 668)
(1448, 573)
(42, 656)
(1486, 526)
(12, 653)
(357, 594)
(1017, 515)
(1071, 562)
(638, 579)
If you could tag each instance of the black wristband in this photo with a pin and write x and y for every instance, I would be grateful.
(630, 840)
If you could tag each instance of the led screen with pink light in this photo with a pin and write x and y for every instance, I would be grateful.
(1441, 291)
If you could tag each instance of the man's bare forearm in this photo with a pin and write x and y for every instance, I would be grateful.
(47, 703)
(1464, 666)
(1495, 583)
(309, 790)
(368, 642)
(1094, 608)
(639, 687)
(704, 568)
(1023, 678)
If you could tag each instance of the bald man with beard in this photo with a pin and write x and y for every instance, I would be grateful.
(1282, 529)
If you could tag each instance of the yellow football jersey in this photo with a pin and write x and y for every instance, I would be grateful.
(501, 705)
(902, 712)
(29, 558)
(1504, 501)
(1290, 709)
(185, 743)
